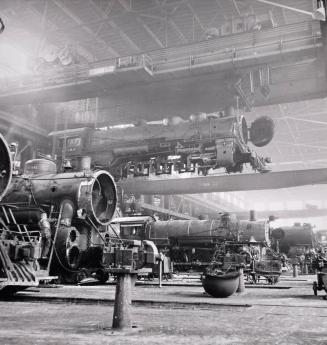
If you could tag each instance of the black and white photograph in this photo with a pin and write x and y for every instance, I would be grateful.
(163, 172)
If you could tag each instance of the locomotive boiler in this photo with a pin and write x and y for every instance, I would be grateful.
(204, 142)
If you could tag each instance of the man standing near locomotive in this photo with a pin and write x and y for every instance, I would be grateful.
(45, 228)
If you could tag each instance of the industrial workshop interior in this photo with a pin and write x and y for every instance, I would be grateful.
(163, 172)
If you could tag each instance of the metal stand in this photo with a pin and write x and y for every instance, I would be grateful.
(160, 273)
(241, 285)
(126, 268)
(122, 318)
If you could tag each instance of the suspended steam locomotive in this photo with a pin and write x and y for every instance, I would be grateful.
(204, 142)
(224, 242)
(57, 223)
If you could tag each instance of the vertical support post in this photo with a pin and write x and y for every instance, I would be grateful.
(96, 112)
(306, 270)
(160, 273)
(241, 284)
(54, 138)
(123, 302)
(166, 202)
(323, 27)
(295, 271)
(193, 28)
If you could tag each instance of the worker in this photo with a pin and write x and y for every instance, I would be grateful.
(45, 228)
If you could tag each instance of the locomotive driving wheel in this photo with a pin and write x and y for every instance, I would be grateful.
(67, 253)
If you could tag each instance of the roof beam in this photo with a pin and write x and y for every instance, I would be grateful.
(307, 212)
(236, 7)
(178, 31)
(128, 7)
(195, 15)
(123, 34)
(107, 12)
(77, 20)
(165, 211)
(150, 32)
(168, 20)
(81, 49)
(22, 126)
(125, 5)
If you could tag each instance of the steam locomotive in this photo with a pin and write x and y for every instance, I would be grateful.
(57, 221)
(204, 142)
(300, 245)
(58, 224)
(224, 242)
(299, 239)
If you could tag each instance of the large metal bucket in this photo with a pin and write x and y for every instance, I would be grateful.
(221, 285)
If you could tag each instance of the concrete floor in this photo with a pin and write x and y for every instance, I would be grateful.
(178, 313)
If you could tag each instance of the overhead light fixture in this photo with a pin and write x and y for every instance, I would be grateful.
(318, 14)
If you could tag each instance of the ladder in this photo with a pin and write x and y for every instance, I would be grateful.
(20, 230)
